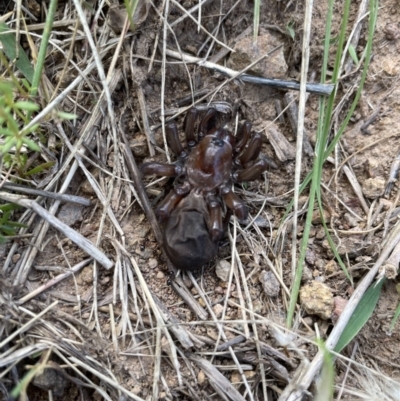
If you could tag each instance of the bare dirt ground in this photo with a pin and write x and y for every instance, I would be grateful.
(104, 323)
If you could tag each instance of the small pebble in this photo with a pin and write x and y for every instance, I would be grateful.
(218, 309)
(310, 257)
(223, 269)
(373, 187)
(160, 275)
(269, 283)
(351, 220)
(317, 299)
(201, 378)
(331, 267)
(153, 263)
(340, 304)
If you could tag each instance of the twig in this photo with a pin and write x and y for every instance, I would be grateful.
(143, 111)
(394, 171)
(144, 200)
(293, 112)
(355, 34)
(300, 134)
(201, 26)
(53, 281)
(319, 89)
(216, 379)
(391, 268)
(74, 236)
(190, 11)
(38, 192)
(180, 288)
(27, 325)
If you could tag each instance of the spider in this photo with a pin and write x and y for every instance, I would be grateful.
(191, 215)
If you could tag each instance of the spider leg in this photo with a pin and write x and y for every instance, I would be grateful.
(189, 124)
(206, 123)
(216, 227)
(161, 169)
(234, 203)
(244, 133)
(168, 205)
(254, 171)
(253, 150)
(173, 140)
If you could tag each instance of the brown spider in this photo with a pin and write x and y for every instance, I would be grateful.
(191, 215)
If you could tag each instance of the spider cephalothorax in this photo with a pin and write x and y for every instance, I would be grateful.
(192, 215)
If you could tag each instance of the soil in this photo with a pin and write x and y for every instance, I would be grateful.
(127, 349)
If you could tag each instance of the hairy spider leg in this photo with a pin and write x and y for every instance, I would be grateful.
(173, 140)
(234, 203)
(189, 127)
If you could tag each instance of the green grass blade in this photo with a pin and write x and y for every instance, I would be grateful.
(256, 19)
(397, 313)
(360, 315)
(10, 49)
(322, 151)
(353, 54)
(43, 47)
(325, 385)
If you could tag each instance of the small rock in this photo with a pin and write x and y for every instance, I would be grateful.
(236, 377)
(139, 146)
(218, 290)
(317, 299)
(51, 379)
(86, 277)
(160, 276)
(316, 217)
(340, 304)
(261, 221)
(223, 269)
(218, 309)
(307, 274)
(320, 234)
(153, 263)
(246, 52)
(257, 306)
(269, 283)
(373, 187)
(202, 303)
(310, 257)
(308, 321)
(16, 257)
(390, 66)
(71, 213)
(350, 219)
(375, 167)
(201, 378)
(392, 31)
(212, 333)
(331, 267)
(319, 264)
